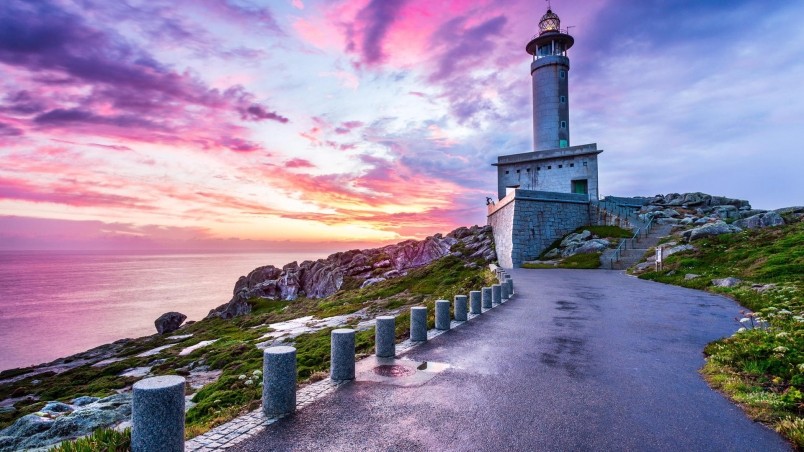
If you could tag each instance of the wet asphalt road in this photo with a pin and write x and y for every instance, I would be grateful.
(578, 360)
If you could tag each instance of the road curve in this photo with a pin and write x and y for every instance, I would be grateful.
(578, 360)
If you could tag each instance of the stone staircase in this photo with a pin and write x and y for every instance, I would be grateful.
(634, 249)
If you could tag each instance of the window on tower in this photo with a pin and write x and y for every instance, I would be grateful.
(563, 124)
(563, 99)
(562, 74)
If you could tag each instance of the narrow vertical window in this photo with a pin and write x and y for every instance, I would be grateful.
(563, 124)
(562, 74)
(563, 99)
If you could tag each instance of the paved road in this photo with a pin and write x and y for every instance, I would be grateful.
(579, 360)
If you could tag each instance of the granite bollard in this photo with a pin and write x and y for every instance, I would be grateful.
(442, 318)
(384, 335)
(474, 302)
(510, 283)
(342, 354)
(157, 414)
(486, 297)
(461, 308)
(278, 380)
(418, 323)
(504, 292)
(496, 293)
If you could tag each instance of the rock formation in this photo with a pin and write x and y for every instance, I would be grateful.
(324, 277)
(169, 322)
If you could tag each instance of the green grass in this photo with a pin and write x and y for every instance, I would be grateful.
(614, 232)
(578, 261)
(763, 370)
(105, 439)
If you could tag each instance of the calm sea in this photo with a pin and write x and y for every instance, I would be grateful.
(53, 304)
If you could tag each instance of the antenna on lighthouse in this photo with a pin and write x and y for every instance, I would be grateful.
(568, 28)
(549, 6)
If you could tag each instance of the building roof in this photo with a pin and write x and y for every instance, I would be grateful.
(549, 154)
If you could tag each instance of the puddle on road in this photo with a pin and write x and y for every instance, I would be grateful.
(434, 367)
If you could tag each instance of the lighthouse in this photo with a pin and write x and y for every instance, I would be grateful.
(549, 72)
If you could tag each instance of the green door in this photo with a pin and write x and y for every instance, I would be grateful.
(580, 187)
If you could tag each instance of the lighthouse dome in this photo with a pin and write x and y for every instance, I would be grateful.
(549, 22)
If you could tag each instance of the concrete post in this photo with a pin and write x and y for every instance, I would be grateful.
(384, 335)
(157, 414)
(442, 317)
(504, 291)
(474, 301)
(342, 354)
(510, 282)
(487, 298)
(461, 308)
(496, 294)
(418, 323)
(278, 380)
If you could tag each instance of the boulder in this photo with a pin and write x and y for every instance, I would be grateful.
(677, 249)
(763, 220)
(726, 282)
(84, 400)
(371, 281)
(56, 408)
(690, 276)
(169, 322)
(587, 247)
(709, 230)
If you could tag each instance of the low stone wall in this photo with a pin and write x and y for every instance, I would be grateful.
(526, 222)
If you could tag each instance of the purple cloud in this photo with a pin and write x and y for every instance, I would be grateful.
(256, 112)
(374, 21)
(9, 130)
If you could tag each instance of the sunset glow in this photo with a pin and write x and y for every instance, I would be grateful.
(234, 124)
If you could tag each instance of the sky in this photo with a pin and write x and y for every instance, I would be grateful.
(298, 124)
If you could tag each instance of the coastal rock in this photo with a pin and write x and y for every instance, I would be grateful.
(371, 281)
(690, 276)
(696, 199)
(324, 277)
(763, 220)
(84, 400)
(677, 249)
(709, 230)
(726, 282)
(169, 322)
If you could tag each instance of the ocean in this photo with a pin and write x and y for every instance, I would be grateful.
(54, 304)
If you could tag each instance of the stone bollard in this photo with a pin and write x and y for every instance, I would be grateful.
(157, 414)
(418, 323)
(504, 292)
(496, 294)
(442, 318)
(461, 308)
(278, 380)
(486, 297)
(510, 283)
(384, 336)
(474, 302)
(342, 354)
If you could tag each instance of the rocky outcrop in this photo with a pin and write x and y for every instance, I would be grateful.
(324, 277)
(762, 220)
(169, 322)
(578, 243)
(697, 199)
(59, 421)
(709, 230)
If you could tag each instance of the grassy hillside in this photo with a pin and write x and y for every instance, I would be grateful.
(234, 352)
(760, 368)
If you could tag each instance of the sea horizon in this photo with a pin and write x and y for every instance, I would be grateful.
(55, 303)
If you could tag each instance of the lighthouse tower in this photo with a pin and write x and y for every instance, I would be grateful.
(550, 72)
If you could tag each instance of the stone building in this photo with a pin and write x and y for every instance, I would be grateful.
(549, 192)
